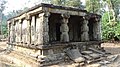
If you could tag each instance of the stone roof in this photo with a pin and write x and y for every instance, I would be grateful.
(55, 7)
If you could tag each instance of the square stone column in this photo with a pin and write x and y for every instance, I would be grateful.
(20, 30)
(85, 29)
(39, 29)
(8, 26)
(12, 32)
(28, 18)
(64, 29)
(33, 30)
(46, 27)
(16, 31)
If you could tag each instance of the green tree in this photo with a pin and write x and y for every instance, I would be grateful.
(73, 3)
(110, 22)
(93, 6)
(2, 7)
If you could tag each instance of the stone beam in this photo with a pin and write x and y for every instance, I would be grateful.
(60, 11)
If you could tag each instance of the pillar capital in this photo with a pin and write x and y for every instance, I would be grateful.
(13, 21)
(20, 20)
(97, 19)
(46, 14)
(27, 17)
(86, 17)
(65, 15)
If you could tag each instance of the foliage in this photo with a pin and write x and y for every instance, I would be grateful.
(73, 3)
(93, 6)
(2, 7)
(110, 31)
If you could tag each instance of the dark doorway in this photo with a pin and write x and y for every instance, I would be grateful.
(54, 27)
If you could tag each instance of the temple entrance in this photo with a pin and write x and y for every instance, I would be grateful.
(54, 27)
(90, 25)
(74, 28)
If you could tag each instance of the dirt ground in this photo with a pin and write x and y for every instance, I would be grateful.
(113, 48)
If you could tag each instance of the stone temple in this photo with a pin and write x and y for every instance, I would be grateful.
(48, 30)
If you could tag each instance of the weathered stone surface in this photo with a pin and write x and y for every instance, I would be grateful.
(64, 28)
(94, 65)
(98, 51)
(33, 30)
(87, 52)
(112, 58)
(97, 31)
(51, 58)
(46, 27)
(87, 57)
(75, 55)
(95, 55)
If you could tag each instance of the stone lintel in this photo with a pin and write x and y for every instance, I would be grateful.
(60, 11)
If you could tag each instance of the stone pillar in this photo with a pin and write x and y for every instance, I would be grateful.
(64, 29)
(13, 30)
(85, 29)
(8, 31)
(12, 33)
(97, 29)
(33, 30)
(46, 27)
(28, 29)
(16, 30)
(39, 30)
(20, 30)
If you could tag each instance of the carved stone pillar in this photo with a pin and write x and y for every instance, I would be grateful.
(64, 29)
(85, 29)
(46, 27)
(97, 29)
(28, 29)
